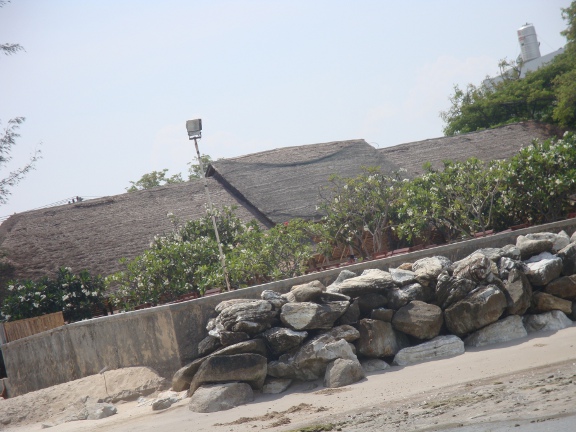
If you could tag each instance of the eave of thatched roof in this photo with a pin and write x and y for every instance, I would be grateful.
(95, 234)
(285, 183)
(499, 143)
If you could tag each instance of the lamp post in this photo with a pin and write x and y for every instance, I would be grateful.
(194, 128)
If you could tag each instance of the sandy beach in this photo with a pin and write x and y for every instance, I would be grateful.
(529, 384)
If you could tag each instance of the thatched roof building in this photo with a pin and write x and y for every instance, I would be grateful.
(95, 234)
(286, 183)
(499, 143)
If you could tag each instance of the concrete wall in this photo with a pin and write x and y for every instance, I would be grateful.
(166, 337)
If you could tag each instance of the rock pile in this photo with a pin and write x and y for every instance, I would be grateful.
(420, 311)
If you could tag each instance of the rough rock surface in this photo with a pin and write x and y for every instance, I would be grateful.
(382, 314)
(450, 289)
(548, 321)
(529, 247)
(543, 302)
(373, 365)
(308, 315)
(568, 257)
(281, 340)
(441, 346)
(343, 372)
(507, 329)
(564, 287)
(543, 268)
(518, 292)
(276, 385)
(403, 277)
(377, 339)
(220, 397)
(376, 281)
(306, 292)
(419, 319)
(475, 267)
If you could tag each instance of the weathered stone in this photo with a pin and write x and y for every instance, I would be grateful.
(493, 254)
(327, 297)
(429, 268)
(416, 291)
(346, 332)
(507, 329)
(573, 314)
(378, 339)
(419, 319)
(309, 292)
(506, 265)
(162, 404)
(543, 302)
(352, 314)
(548, 321)
(281, 340)
(439, 347)
(228, 338)
(232, 302)
(564, 287)
(480, 308)
(374, 365)
(475, 267)
(249, 317)
(376, 281)
(559, 241)
(276, 385)
(208, 345)
(512, 252)
(220, 397)
(275, 298)
(405, 266)
(450, 289)
(344, 274)
(368, 302)
(530, 248)
(183, 377)
(253, 346)
(382, 314)
(343, 372)
(99, 411)
(543, 268)
(248, 368)
(518, 292)
(307, 316)
(573, 237)
(403, 277)
(568, 257)
(396, 298)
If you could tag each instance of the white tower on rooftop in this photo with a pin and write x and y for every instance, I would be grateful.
(528, 42)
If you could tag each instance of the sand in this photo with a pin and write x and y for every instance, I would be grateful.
(529, 384)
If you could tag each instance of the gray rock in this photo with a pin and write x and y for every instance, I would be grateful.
(378, 339)
(253, 346)
(250, 317)
(183, 377)
(403, 277)
(548, 321)
(352, 314)
(343, 372)
(507, 329)
(220, 397)
(559, 241)
(543, 302)
(344, 274)
(382, 314)
(248, 368)
(506, 265)
(518, 292)
(543, 268)
(374, 365)
(419, 319)
(228, 338)
(307, 316)
(232, 302)
(368, 302)
(208, 345)
(162, 404)
(327, 297)
(450, 289)
(493, 254)
(480, 308)
(397, 297)
(568, 257)
(274, 298)
(416, 291)
(512, 252)
(564, 287)
(562, 240)
(99, 411)
(375, 281)
(529, 247)
(439, 347)
(573, 237)
(346, 332)
(429, 268)
(308, 292)
(276, 385)
(475, 267)
(281, 340)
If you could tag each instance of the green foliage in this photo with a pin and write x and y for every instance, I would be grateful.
(154, 179)
(74, 294)
(186, 259)
(7, 141)
(547, 94)
(355, 207)
(196, 170)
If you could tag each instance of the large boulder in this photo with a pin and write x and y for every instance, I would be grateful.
(280, 340)
(275, 298)
(368, 302)
(559, 241)
(529, 247)
(352, 314)
(450, 289)
(548, 321)
(220, 397)
(507, 329)
(403, 277)
(374, 365)
(543, 268)
(344, 274)
(382, 314)
(564, 287)
(251, 317)
(568, 257)
(544, 302)
(307, 315)
(375, 281)
(480, 308)
(343, 372)
(518, 292)
(419, 319)
(428, 269)
(493, 254)
(346, 332)
(248, 368)
(475, 267)
(439, 347)
(308, 292)
(378, 339)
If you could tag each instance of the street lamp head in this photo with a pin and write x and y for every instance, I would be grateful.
(194, 128)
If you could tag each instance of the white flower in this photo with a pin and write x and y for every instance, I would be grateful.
(10, 287)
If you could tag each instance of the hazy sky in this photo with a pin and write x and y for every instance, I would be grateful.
(107, 86)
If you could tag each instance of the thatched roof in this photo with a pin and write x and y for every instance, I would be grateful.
(499, 143)
(95, 234)
(285, 183)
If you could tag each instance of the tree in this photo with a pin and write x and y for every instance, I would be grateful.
(154, 179)
(7, 141)
(9, 48)
(195, 170)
